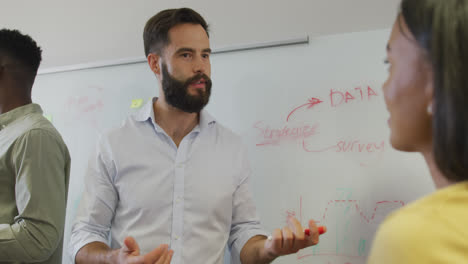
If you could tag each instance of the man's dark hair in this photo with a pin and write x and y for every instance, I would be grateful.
(156, 32)
(440, 27)
(21, 49)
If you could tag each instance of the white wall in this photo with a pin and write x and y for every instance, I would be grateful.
(73, 32)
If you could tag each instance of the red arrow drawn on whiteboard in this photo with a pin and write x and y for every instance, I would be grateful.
(312, 101)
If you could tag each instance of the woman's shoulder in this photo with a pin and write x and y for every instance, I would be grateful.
(431, 228)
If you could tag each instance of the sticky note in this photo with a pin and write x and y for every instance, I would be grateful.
(136, 103)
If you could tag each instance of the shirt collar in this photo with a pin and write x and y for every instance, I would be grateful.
(12, 115)
(206, 119)
(147, 112)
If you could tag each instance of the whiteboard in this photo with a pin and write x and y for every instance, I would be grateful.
(312, 116)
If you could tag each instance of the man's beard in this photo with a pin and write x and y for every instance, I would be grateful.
(176, 92)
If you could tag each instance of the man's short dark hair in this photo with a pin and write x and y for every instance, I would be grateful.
(21, 49)
(156, 32)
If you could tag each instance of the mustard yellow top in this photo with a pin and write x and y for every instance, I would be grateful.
(433, 229)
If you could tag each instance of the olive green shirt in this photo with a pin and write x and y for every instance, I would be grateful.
(34, 175)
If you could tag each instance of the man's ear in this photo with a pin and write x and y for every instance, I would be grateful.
(153, 62)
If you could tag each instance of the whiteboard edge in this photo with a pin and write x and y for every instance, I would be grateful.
(124, 61)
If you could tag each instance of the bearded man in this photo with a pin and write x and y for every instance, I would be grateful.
(171, 174)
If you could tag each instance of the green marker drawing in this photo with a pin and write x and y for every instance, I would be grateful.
(362, 247)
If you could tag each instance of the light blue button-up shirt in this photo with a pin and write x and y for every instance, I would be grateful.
(195, 197)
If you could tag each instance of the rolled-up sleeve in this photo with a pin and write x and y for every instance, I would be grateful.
(245, 222)
(98, 203)
(41, 163)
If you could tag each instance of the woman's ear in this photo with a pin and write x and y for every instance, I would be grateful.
(429, 87)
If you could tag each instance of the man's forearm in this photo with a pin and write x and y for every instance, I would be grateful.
(34, 244)
(95, 253)
(254, 252)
